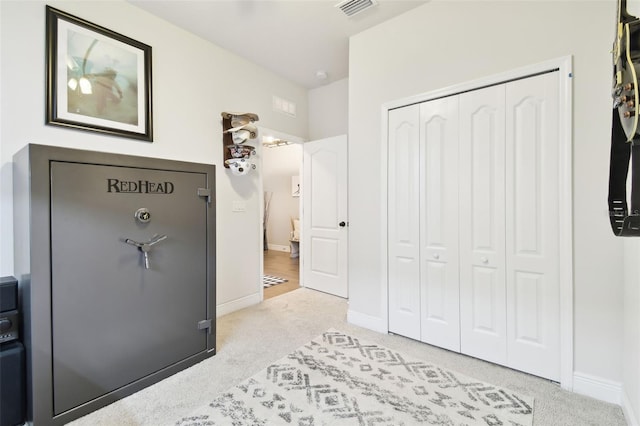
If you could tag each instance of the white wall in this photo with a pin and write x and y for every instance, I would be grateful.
(631, 351)
(193, 82)
(442, 44)
(329, 110)
(279, 164)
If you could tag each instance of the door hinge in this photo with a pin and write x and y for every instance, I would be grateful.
(205, 192)
(205, 324)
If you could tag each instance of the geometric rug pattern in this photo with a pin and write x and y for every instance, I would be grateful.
(270, 280)
(337, 379)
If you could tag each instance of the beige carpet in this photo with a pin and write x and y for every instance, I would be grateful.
(251, 339)
(338, 379)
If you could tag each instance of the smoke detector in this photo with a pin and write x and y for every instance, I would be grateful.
(353, 7)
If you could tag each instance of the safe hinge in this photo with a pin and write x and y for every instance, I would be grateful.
(205, 324)
(205, 192)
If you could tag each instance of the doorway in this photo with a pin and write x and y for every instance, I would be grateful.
(282, 198)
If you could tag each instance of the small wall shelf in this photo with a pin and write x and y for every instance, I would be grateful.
(237, 128)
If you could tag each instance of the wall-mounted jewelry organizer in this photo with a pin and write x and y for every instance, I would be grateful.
(238, 128)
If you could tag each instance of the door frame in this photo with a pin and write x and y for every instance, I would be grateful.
(564, 66)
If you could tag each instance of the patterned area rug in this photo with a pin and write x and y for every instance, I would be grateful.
(337, 379)
(270, 280)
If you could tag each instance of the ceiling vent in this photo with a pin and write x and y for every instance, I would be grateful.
(353, 7)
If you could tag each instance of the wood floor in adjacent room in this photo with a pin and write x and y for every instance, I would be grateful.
(280, 264)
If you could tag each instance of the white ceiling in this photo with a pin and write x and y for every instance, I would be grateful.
(292, 38)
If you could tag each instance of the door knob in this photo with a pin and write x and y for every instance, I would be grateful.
(484, 260)
(342, 224)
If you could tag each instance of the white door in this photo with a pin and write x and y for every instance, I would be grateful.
(473, 222)
(439, 291)
(404, 221)
(532, 248)
(482, 224)
(324, 215)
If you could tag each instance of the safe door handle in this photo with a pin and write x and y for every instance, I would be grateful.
(145, 247)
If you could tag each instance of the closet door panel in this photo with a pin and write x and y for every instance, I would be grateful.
(440, 308)
(533, 313)
(482, 219)
(404, 223)
(485, 299)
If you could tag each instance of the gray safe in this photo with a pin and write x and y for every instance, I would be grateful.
(115, 257)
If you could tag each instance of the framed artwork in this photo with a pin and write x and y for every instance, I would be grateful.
(97, 80)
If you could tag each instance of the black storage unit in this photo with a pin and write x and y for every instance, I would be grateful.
(12, 384)
(8, 294)
(9, 314)
(12, 356)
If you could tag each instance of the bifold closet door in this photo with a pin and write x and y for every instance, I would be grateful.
(509, 162)
(483, 327)
(439, 291)
(532, 222)
(404, 222)
(473, 223)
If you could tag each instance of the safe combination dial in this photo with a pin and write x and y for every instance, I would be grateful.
(143, 215)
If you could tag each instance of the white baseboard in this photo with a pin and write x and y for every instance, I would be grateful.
(367, 321)
(598, 388)
(627, 410)
(278, 247)
(236, 305)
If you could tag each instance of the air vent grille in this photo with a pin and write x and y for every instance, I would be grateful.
(353, 7)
